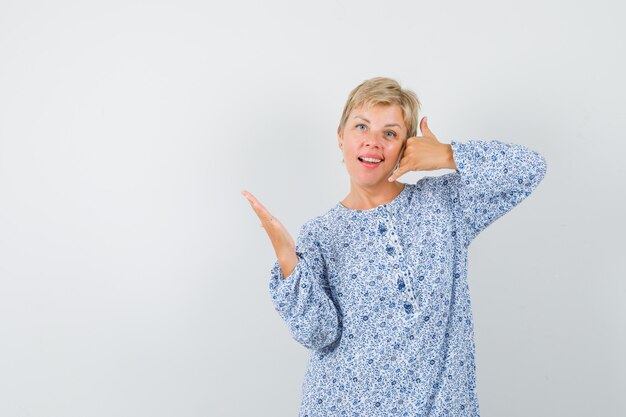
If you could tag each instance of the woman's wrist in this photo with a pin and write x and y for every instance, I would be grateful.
(448, 157)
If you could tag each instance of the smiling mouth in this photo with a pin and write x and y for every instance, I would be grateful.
(370, 162)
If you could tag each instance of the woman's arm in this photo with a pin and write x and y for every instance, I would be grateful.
(301, 298)
(491, 178)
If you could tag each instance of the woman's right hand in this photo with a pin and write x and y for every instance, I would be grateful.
(283, 243)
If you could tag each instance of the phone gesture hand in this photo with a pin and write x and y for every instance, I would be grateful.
(422, 153)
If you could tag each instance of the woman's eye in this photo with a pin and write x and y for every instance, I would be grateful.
(359, 125)
(392, 133)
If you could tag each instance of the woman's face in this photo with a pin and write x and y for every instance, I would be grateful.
(377, 132)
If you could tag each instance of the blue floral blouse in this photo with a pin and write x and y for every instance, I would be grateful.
(380, 297)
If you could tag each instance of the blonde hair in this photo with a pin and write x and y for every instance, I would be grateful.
(383, 90)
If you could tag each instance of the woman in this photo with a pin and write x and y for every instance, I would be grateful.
(376, 287)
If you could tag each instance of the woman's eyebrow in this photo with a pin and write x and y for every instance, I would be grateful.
(388, 124)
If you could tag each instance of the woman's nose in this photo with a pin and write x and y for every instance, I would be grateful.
(372, 138)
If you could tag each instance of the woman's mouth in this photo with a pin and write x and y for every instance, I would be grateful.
(370, 162)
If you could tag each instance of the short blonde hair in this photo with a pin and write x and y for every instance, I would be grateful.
(383, 90)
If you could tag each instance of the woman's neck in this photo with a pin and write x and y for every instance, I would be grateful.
(365, 198)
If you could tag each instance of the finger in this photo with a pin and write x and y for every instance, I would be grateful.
(260, 210)
(254, 202)
(402, 168)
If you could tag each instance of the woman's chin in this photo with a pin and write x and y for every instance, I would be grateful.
(370, 180)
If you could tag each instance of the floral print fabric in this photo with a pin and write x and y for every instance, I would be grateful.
(381, 299)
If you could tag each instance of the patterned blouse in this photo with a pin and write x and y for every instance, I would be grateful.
(380, 297)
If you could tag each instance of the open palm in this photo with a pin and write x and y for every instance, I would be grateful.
(283, 243)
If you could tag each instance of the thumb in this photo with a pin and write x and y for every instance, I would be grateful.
(424, 127)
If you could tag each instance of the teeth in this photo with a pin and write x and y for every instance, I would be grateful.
(371, 159)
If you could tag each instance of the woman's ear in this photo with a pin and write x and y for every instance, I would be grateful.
(340, 143)
(339, 138)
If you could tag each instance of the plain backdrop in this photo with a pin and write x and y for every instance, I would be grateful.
(134, 275)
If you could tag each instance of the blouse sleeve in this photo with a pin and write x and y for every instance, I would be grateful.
(491, 178)
(302, 299)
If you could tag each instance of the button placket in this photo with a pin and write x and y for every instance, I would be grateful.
(401, 271)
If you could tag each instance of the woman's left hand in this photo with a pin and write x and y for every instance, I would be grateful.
(424, 153)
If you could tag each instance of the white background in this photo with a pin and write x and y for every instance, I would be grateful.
(133, 273)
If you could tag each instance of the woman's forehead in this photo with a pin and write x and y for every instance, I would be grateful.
(384, 113)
